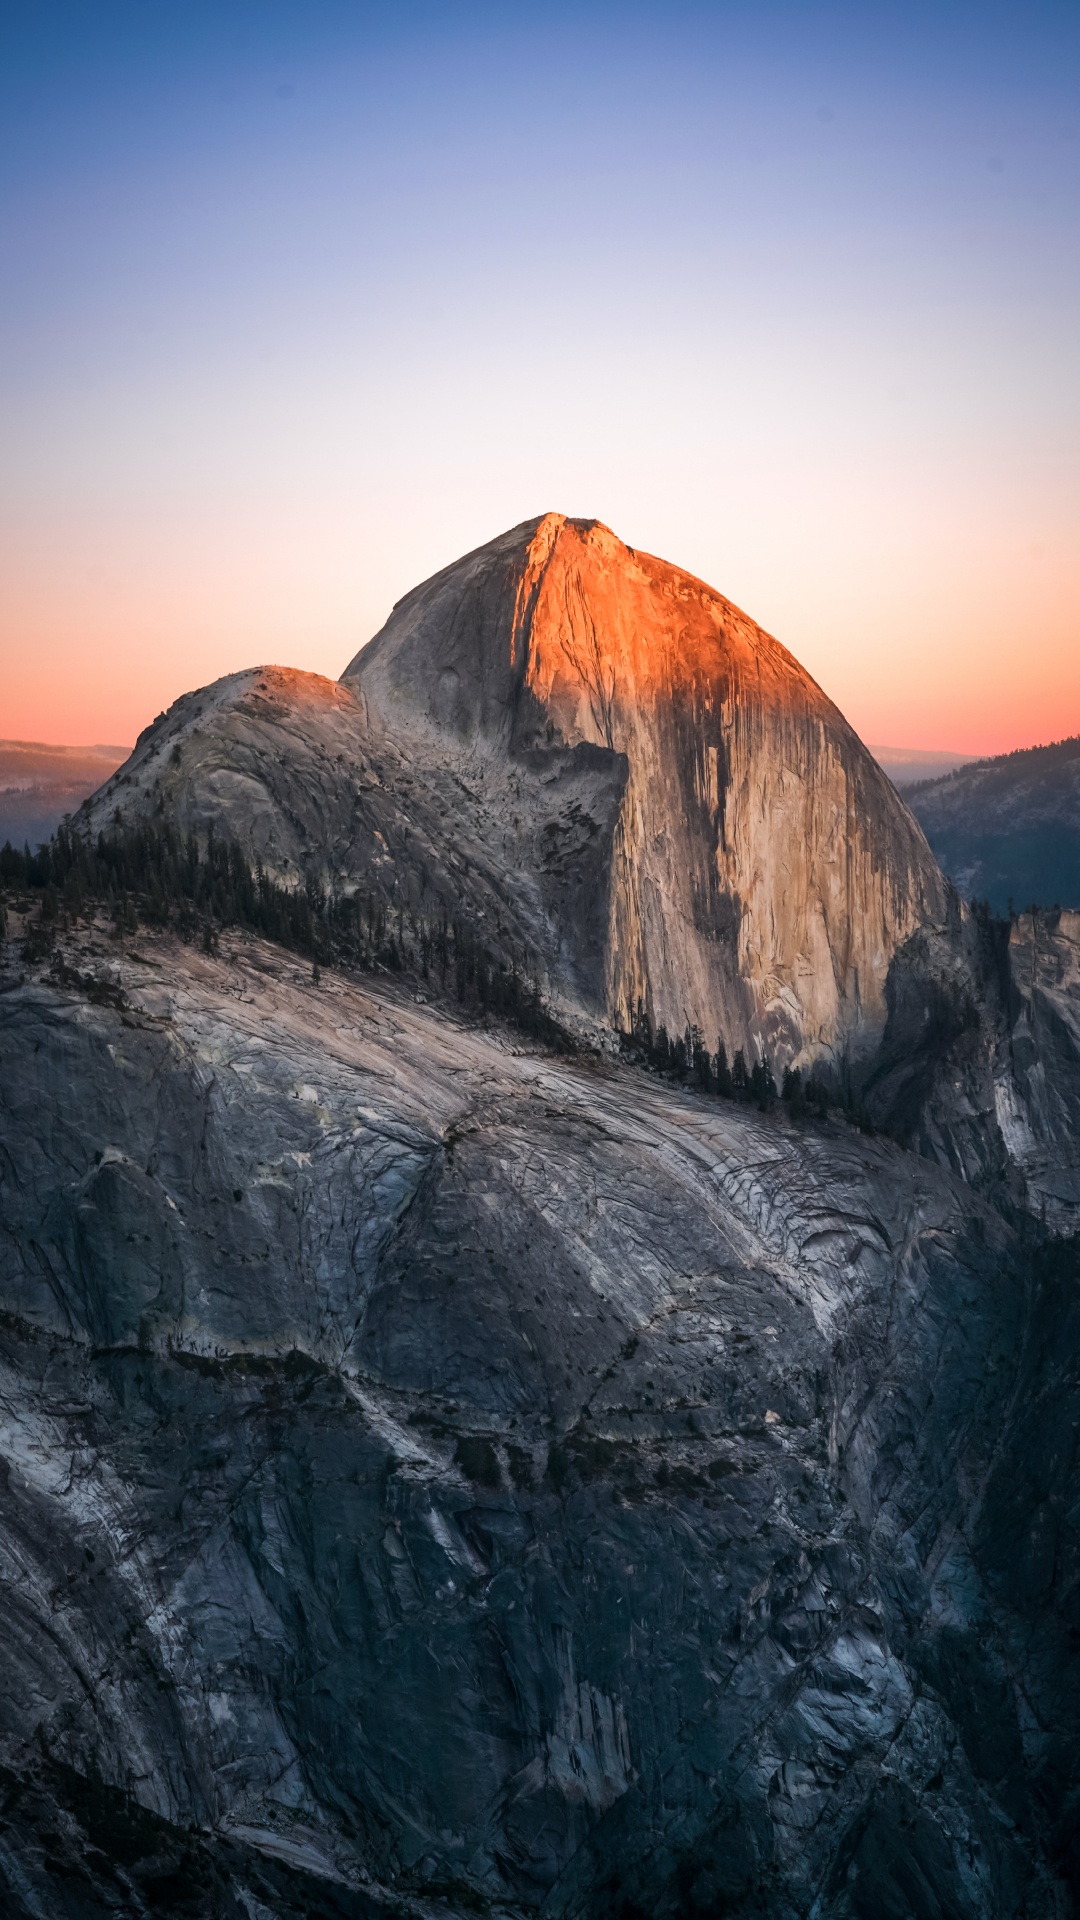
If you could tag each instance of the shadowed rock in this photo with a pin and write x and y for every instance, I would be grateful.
(439, 1477)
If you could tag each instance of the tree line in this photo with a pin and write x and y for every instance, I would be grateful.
(152, 874)
(686, 1058)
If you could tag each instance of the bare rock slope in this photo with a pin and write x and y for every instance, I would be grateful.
(443, 1479)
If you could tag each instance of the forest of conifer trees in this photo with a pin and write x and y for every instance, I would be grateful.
(150, 874)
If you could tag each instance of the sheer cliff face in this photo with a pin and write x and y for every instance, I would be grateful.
(759, 870)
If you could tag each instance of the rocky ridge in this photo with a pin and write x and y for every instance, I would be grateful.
(979, 1068)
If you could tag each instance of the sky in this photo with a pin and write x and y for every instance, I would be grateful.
(300, 302)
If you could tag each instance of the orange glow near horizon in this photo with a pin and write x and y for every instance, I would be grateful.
(788, 299)
(101, 640)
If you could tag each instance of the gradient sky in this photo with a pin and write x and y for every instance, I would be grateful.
(302, 301)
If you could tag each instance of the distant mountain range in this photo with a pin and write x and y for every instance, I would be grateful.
(1008, 829)
(39, 784)
(905, 765)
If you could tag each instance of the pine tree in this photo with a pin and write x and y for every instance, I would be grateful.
(793, 1092)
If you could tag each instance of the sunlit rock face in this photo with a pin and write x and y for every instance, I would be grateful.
(758, 870)
(613, 771)
(623, 785)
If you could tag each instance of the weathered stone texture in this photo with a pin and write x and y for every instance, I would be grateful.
(434, 1469)
(763, 870)
(609, 765)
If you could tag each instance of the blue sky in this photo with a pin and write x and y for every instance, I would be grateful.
(300, 302)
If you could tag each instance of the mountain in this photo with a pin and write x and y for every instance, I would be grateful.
(618, 773)
(1007, 830)
(907, 765)
(450, 1465)
(40, 784)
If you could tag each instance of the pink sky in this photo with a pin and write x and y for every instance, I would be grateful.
(789, 296)
(967, 644)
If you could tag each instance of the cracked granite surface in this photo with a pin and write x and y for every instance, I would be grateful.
(442, 1477)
